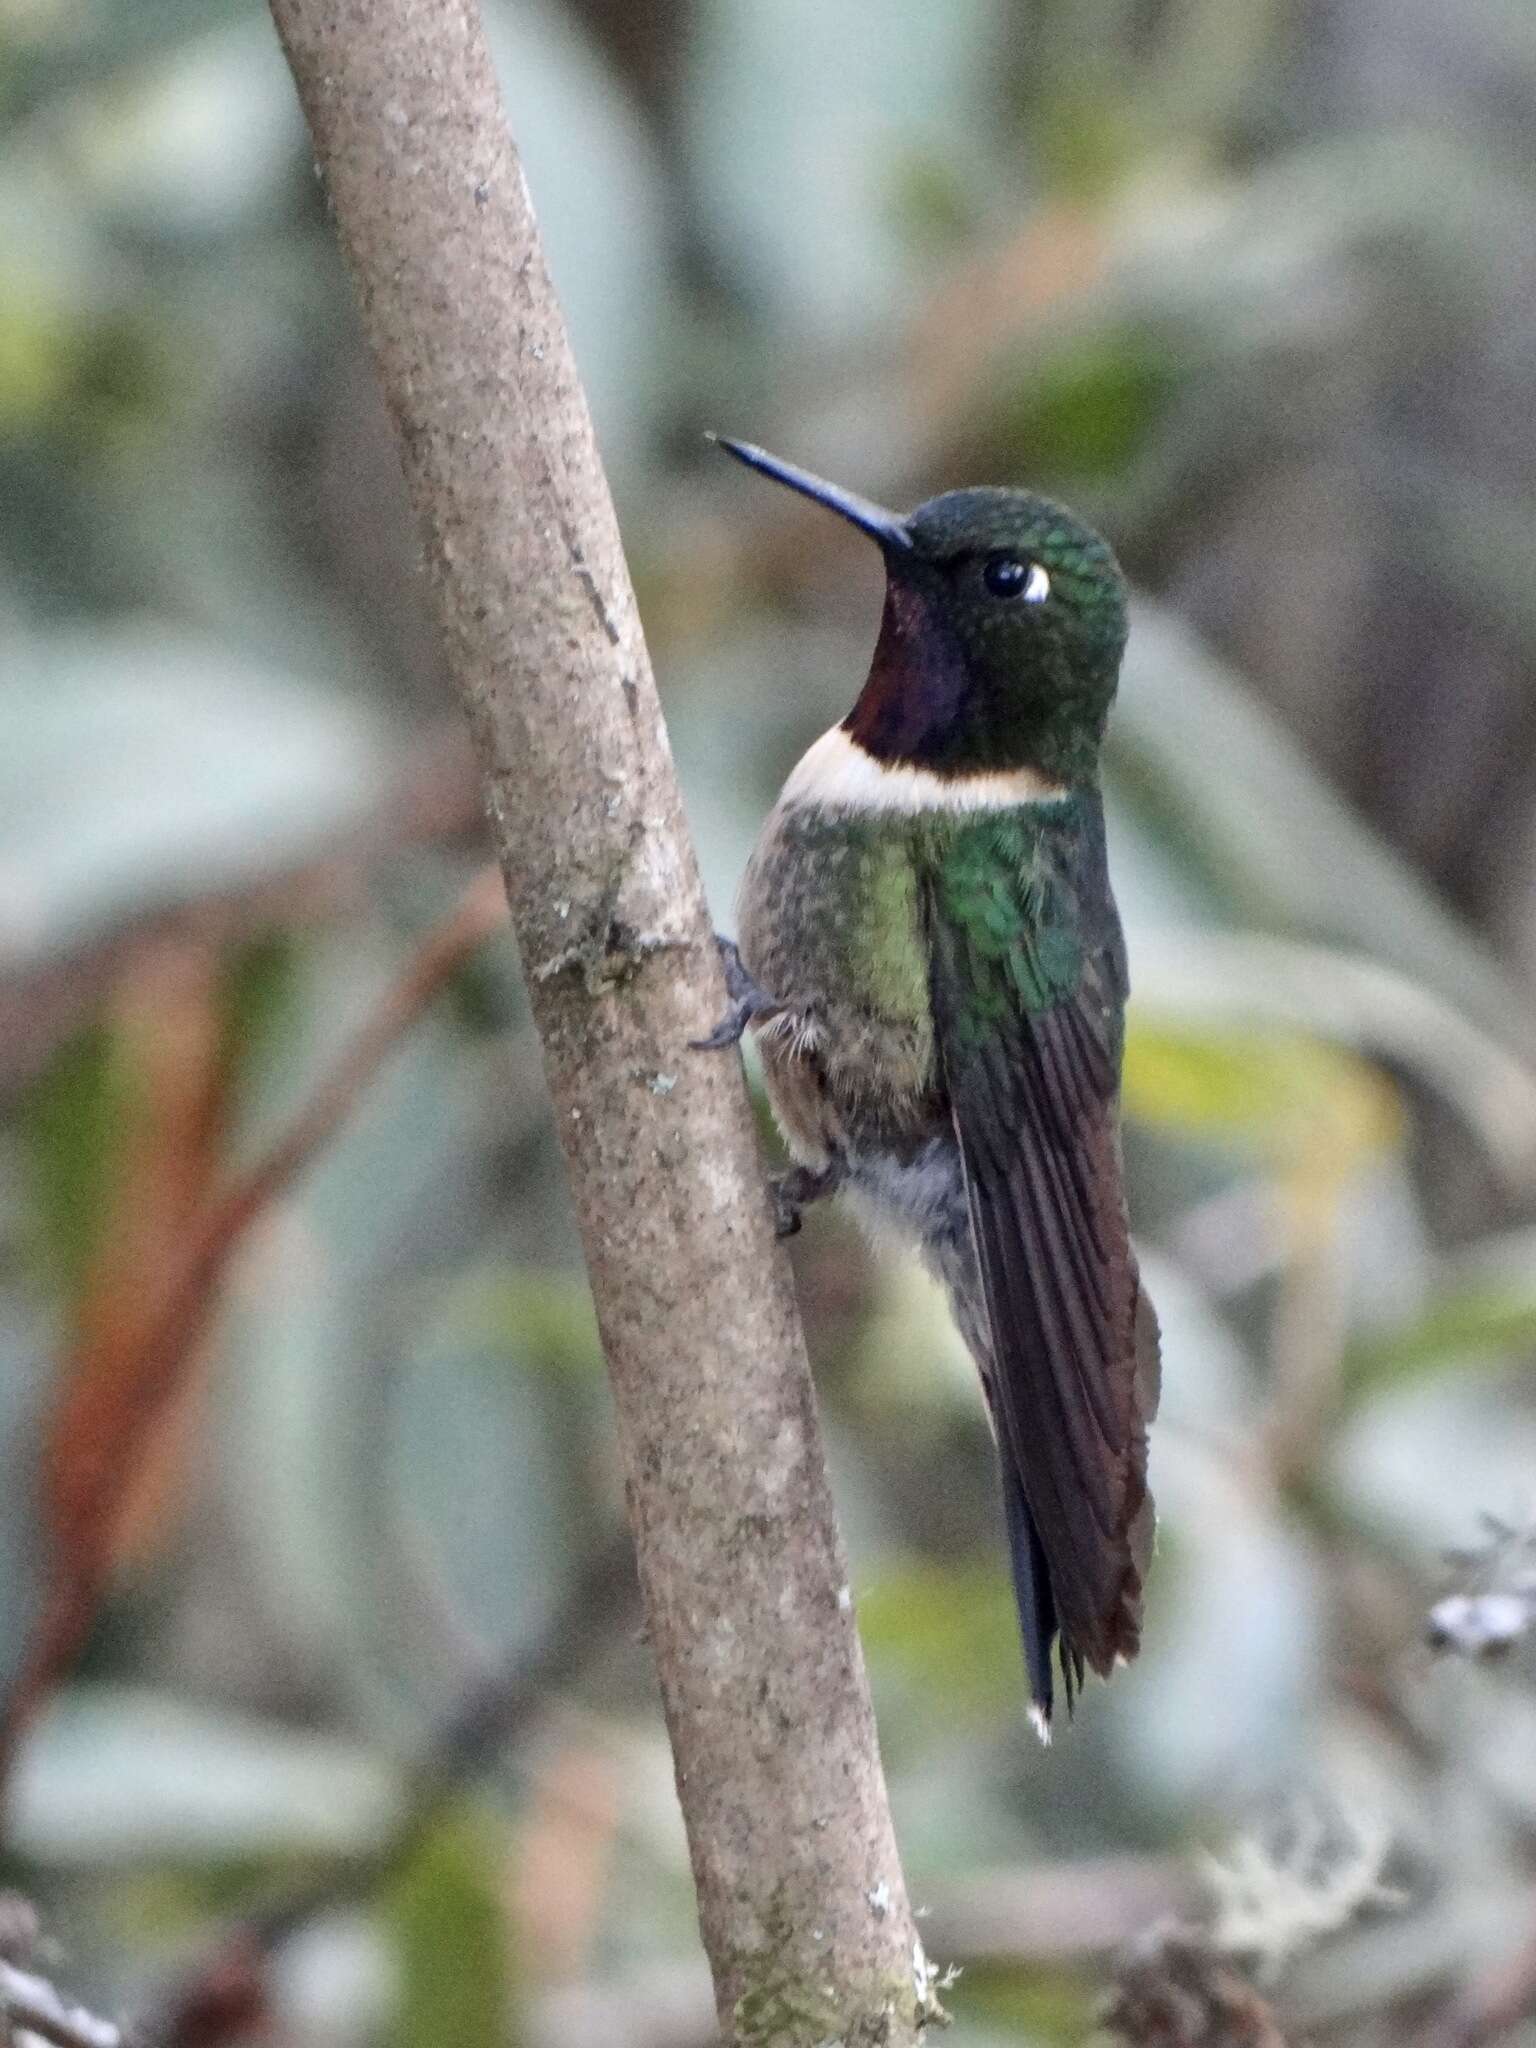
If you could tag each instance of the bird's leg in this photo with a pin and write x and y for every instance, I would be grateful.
(797, 1189)
(747, 1001)
(801, 1185)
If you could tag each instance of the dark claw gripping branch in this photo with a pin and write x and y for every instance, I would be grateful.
(931, 963)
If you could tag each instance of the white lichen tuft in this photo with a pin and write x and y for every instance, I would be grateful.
(879, 1897)
(1496, 1603)
(925, 1979)
(1480, 1624)
(1279, 1893)
(1276, 1894)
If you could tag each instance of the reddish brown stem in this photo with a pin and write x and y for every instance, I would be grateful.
(150, 1369)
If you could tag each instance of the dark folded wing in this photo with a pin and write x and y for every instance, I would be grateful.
(1027, 1003)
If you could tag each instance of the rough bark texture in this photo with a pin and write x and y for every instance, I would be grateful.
(801, 1900)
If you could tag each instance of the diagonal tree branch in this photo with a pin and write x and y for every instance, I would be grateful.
(215, 2001)
(105, 1417)
(32, 2010)
(801, 1899)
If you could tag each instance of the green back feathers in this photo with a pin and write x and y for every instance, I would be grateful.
(1004, 896)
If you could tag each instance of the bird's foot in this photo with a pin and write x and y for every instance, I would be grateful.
(748, 1001)
(796, 1190)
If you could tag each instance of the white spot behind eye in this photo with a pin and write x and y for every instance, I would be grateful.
(1038, 588)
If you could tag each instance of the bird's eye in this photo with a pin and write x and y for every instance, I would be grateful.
(1007, 576)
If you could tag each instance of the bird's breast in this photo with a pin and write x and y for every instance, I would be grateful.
(831, 926)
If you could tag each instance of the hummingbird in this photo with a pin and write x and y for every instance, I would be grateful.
(931, 965)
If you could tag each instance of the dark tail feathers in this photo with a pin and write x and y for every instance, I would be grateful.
(1038, 1621)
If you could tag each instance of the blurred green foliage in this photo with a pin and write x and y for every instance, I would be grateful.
(68, 1125)
(1085, 410)
(449, 1919)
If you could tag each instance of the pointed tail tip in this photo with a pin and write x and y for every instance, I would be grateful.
(1040, 1721)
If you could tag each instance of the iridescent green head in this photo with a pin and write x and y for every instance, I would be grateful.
(1002, 635)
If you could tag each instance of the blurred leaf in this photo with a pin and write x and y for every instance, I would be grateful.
(1311, 1126)
(1087, 138)
(1040, 2004)
(596, 181)
(1082, 410)
(1419, 1458)
(145, 768)
(1111, 89)
(125, 1382)
(477, 1461)
(398, 1494)
(1284, 1096)
(1266, 987)
(25, 1387)
(908, 1358)
(218, 553)
(71, 1127)
(258, 996)
(539, 1317)
(447, 1911)
(803, 185)
(56, 46)
(945, 1632)
(33, 373)
(1230, 1570)
(199, 137)
(1470, 1326)
(1233, 797)
(115, 1774)
(932, 201)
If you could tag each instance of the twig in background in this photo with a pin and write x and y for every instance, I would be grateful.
(1055, 1913)
(1175, 1991)
(35, 2011)
(1496, 1603)
(217, 1999)
(497, 1710)
(435, 798)
(564, 1862)
(31, 2008)
(149, 1370)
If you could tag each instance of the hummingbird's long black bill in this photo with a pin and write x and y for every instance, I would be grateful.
(882, 526)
